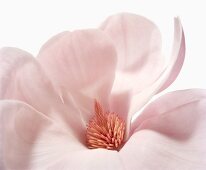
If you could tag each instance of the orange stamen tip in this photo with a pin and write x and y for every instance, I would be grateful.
(105, 130)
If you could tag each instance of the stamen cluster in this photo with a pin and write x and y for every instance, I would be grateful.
(105, 130)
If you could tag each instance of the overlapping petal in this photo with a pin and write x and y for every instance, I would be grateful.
(170, 133)
(32, 140)
(121, 66)
(22, 78)
(140, 62)
(138, 44)
(136, 38)
(82, 66)
(173, 67)
(169, 102)
(177, 57)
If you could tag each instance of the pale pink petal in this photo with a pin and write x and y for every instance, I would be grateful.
(82, 65)
(168, 102)
(148, 150)
(96, 159)
(138, 41)
(51, 42)
(139, 99)
(170, 135)
(32, 140)
(135, 38)
(23, 78)
(138, 44)
(177, 56)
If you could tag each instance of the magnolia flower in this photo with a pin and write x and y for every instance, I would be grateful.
(71, 108)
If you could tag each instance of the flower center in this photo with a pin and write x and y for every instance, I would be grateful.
(105, 130)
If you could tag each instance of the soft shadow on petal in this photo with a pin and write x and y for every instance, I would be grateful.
(120, 103)
(82, 65)
(170, 133)
(32, 140)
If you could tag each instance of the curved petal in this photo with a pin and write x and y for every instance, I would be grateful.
(169, 102)
(51, 42)
(138, 44)
(147, 150)
(32, 140)
(138, 41)
(177, 56)
(135, 38)
(139, 99)
(82, 65)
(22, 78)
(170, 135)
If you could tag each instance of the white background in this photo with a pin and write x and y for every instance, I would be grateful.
(28, 24)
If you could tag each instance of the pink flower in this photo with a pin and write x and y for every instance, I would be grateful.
(82, 91)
